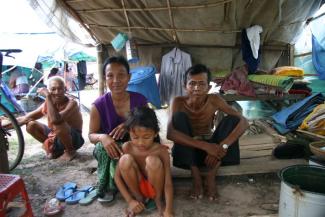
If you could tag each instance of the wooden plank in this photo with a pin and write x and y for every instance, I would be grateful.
(247, 154)
(311, 135)
(247, 166)
(257, 147)
(256, 139)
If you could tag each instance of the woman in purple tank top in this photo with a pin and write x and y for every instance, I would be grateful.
(106, 128)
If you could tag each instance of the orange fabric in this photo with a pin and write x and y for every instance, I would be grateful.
(49, 142)
(147, 189)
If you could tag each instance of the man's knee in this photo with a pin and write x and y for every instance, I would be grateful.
(61, 129)
(126, 162)
(153, 163)
(31, 127)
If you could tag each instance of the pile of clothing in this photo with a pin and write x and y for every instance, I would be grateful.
(290, 118)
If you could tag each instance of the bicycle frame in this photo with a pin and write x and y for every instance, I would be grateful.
(4, 133)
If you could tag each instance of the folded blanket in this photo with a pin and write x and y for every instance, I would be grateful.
(280, 82)
(291, 117)
(288, 71)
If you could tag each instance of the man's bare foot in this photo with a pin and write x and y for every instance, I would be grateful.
(197, 191)
(68, 156)
(211, 188)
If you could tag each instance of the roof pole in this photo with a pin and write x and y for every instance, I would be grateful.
(102, 54)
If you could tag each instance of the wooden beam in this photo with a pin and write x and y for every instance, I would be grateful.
(214, 4)
(164, 29)
(172, 24)
(101, 56)
(126, 16)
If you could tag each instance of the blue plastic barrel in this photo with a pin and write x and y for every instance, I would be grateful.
(143, 80)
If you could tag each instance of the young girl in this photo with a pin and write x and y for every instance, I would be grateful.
(143, 172)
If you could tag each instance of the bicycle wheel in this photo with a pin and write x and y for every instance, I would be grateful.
(14, 137)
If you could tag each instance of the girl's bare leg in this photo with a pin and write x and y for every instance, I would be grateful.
(131, 175)
(155, 171)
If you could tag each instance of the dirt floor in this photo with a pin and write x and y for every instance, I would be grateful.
(255, 195)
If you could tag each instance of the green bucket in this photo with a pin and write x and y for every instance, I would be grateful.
(306, 177)
(302, 191)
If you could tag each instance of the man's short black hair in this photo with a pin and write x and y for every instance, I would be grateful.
(116, 59)
(197, 69)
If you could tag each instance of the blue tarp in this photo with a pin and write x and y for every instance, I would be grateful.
(318, 54)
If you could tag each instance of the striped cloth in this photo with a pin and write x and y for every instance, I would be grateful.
(283, 83)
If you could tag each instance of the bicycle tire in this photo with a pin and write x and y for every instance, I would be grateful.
(13, 163)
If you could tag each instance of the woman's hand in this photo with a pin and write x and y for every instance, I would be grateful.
(111, 147)
(135, 207)
(118, 132)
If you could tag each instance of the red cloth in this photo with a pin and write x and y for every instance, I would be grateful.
(147, 189)
(237, 80)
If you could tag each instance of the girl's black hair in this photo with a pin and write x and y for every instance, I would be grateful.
(197, 69)
(120, 60)
(143, 117)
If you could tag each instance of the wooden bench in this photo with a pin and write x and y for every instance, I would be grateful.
(255, 158)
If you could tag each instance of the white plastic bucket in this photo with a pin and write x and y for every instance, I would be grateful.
(302, 191)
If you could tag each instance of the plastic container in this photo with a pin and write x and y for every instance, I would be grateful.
(119, 41)
(302, 191)
(316, 161)
(132, 54)
(143, 80)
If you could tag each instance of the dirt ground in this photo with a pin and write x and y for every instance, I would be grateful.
(255, 195)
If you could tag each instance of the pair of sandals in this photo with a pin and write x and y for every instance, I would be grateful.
(71, 195)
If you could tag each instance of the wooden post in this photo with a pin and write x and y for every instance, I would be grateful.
(102, 54)
(4, 165)
(291, 55)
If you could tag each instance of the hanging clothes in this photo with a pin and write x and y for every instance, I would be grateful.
(253, 35)
(82, 73)
(248, 57)
(171, 79)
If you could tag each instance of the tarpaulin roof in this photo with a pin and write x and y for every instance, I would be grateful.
(192, 23)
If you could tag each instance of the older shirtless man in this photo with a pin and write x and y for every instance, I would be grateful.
(190, 126)
(63, 134)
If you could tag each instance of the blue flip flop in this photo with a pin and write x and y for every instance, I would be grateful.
(65, 191)
(90, 197)
(78, 195)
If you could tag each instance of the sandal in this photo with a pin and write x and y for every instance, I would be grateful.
(52, 207)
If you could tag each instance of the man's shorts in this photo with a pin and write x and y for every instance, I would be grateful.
(58, 147)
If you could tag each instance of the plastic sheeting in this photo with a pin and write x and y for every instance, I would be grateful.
(282, 21)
